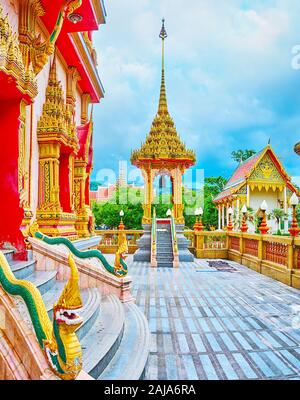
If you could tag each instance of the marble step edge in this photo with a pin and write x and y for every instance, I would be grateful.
(135, 368)
(102, 341)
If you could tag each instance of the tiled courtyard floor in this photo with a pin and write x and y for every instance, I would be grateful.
(207, 324)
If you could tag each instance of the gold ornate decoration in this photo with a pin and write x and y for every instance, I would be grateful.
(122, 250)
(82, 171)
(266, 176)
(90, 47)
(57, 138)
(72, 79)
(34, 50)
(22, 169)
(57, 120)
(11, 62)
(57, 339)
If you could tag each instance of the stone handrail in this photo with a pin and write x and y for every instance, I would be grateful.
(153, 241)
(174, 243)
(88, 254)
(109, 240)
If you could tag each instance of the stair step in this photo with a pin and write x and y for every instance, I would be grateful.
(131, 357)
(164, 265)
(8, 254)
(91, 299)
(22, 269)
(104, 337)
(43, 280)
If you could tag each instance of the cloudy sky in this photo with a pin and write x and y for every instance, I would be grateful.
(229, 76)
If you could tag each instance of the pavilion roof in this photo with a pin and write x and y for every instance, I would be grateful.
(163, 141)
(244, 170)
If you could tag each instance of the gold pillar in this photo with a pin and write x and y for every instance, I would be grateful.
(83, 212)
(148, 195)
(177, 198)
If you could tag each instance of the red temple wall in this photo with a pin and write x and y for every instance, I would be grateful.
(11, 214)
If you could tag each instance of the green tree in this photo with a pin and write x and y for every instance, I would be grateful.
(242, 155)
(212, 187)
(278, 214)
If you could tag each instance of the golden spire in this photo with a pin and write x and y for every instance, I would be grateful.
(163, 104)
(163, 141)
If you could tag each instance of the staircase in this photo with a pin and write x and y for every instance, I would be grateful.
(164, 252)
(115, 337)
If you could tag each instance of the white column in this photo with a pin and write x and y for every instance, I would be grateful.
(286, 221)
(226, 213)
(238, 210)
(223, 216)
(248, 196)
(219, 217)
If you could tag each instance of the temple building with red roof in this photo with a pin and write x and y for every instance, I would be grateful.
(260, 177)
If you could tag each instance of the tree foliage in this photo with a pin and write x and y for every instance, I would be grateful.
(108, 213)
(212, 187)
(242, 155)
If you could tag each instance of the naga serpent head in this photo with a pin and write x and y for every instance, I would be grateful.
(65, 310)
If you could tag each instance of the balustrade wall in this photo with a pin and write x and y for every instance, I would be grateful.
(109, 240)
(275, 256)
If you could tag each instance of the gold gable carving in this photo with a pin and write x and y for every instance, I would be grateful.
(266, 176)
(266, 171)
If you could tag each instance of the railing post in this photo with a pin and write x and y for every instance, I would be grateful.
(291, 259)
(260, 252)
(153, 241)
(241, 245)
(174, 243)
(199, 244)
(228, 241)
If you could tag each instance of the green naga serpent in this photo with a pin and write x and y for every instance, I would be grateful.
(58, 339)
(120, 269)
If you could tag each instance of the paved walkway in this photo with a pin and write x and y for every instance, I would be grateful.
(207, 324)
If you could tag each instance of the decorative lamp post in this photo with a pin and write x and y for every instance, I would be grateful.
(263, 226)
(121, 226)
(294, 229)
(230, 225)
(244, 227)
(197, 219)
(198, 225)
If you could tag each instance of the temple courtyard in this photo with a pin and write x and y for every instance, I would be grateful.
(218, 323)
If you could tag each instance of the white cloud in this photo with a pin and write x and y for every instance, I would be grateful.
(229, 79)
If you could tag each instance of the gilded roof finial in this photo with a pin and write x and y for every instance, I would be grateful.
(163, 105)
(53, 74)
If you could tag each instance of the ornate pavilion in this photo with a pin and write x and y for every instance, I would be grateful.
(261, 177)
(163, 153)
